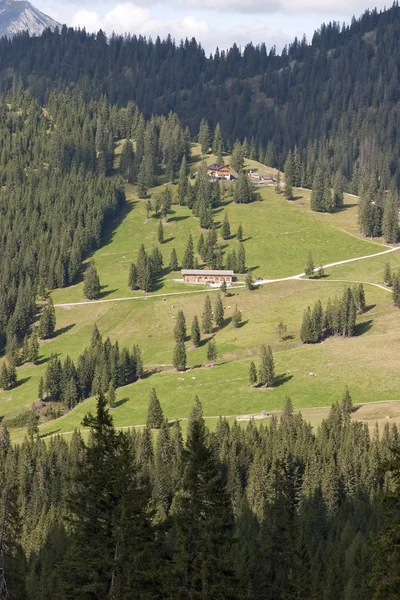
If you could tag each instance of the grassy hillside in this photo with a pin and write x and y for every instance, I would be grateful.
(279, 235)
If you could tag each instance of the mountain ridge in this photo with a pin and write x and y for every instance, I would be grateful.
(17, 16)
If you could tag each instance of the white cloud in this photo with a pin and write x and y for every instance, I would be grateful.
(287, 6)
(130, 18)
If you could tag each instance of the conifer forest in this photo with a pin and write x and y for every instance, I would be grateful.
(166, 440)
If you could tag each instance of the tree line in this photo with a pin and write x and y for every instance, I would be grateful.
(268, 512)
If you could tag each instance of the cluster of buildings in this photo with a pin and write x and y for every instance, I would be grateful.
(220, 171)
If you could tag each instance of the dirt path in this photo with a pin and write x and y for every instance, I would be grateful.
(379, 412)
(259, 283)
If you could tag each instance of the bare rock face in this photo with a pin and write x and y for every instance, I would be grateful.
(17, 16)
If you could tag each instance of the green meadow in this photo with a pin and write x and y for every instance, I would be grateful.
(278, 237)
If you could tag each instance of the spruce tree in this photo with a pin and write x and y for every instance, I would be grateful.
(396, 290)
(183, 183)
(236, 318)
(387, 274)
(309, 270)
(212, 352)
(225, 229)
(219, 313)
(288, 192)
(173, 261)
(160, 233)
(237, 158)
(179, 358)
(253, 374)
(204, 136)
(239, 233)
(133, 277)
(180, 327)
(390, 221)
(306, 332)
(207, 316)
(218, 143)
(224, 287)
(47, 323)
(155, 416)
(91, 283)
(241, 260)
(141, 183)
(111, 396)
(204, 522)
(195, 332)
(249, 283)
(188, 259)
(266, 373)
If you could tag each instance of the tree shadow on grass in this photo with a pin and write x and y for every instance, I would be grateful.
(43, 360)
(50, 433)
(288, 338)
(242, 324)
(363, 327)
(282, 379)
(252, 269)
(170, 239)
(20, 382)
(106, 292)
(178, 218)
(119, 403)
(63, 330)
(368, 308)
(205, 341)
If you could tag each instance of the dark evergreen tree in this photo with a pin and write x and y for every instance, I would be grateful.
(253, 374)
(91, 283)
(180, 327)
(195, 332)
(155, 416)
(188, 258)
(266, 373)
(160, 233)
(219, 313)
(236, 318)
(309, 270)
(241, 259)
(207, 316)
(225, 229)
(212, 352)
(179, 359)
(173, 261)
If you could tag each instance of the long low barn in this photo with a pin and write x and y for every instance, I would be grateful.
(207, 276)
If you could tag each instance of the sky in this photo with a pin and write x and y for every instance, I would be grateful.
(212, 22)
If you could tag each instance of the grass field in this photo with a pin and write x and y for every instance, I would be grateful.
(279, 235)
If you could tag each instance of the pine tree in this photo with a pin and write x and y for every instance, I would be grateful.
(249, 283)
(218, 143)
(195, 332)
(207, 316)
(160, 233)
(47, 323)
(390, 222)
(236, 318)
(338, 190)
(237, 158)
(204, 136)
(253, 374)
(212, 353)
(219, 313)
(141, 182)
(32, 429)
(396, 290)
(241, 259)
(33, 348)
(173, 261)
(289, 170)
(318, 192)
(133, 279)
(111, 396)
(281, 330)
(306, 332)
(41, 389)
(239, 233)
(288, 192)
(91, 283)
(204, 523)
(387, 274)
(309, 270)
(225, 229)
(155, 416)
(183, 183)
(180, 327)
(266, 372)
(224, 287)
(188, 259)
(179, 359)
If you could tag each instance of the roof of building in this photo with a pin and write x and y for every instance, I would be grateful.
(215, 166)
(207, 272)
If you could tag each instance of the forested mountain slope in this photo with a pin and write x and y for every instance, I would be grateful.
(335, 98)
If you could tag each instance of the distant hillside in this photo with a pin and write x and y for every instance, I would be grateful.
(335, 98)
(17, 16)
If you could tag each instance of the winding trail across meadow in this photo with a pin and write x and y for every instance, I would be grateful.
(259, 283)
